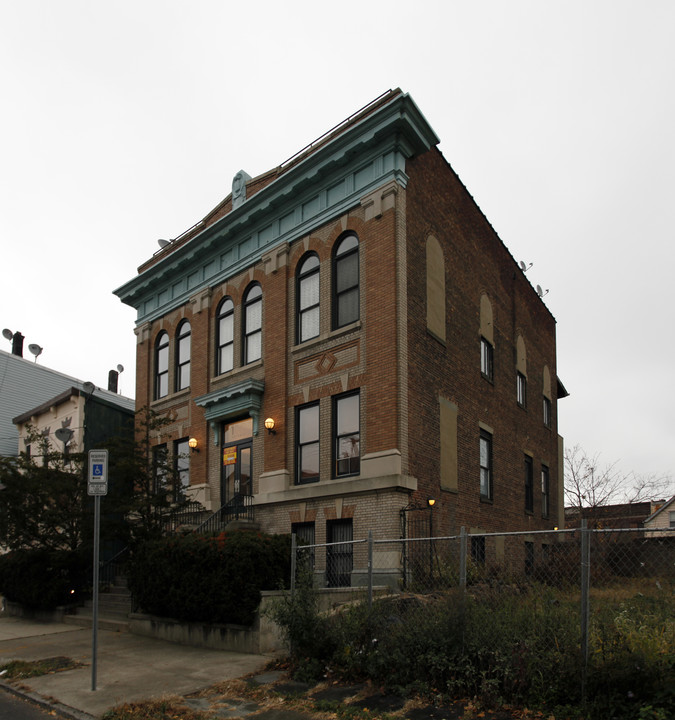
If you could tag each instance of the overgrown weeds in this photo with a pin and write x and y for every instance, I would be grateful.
(517, 646)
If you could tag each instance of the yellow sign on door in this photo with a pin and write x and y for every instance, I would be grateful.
(229, 456)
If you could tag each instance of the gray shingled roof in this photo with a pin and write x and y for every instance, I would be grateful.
(25, 385)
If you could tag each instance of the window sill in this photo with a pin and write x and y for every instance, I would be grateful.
(171, 398)
(325, 337)
(488, 500)
(226, 377)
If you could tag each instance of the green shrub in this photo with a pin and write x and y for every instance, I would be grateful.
(43, 579)
(209, 578)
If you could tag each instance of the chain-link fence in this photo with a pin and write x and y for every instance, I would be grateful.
(585, 580)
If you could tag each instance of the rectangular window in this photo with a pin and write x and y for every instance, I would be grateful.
(305, 534)
(478, 550)
(529, 485)
(521, 389)
(671, 518)
(529, 557)
(307, 444)
(485, 465)
(339, 556)
(486, 360)
(181, 459)
(346, 433)
(545, 498)
(159, 469)
(547, 412)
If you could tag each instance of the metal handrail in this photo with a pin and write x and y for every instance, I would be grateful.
(240, 506)
(190, 513)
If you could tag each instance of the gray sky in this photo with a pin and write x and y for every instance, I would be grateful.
(125, 122)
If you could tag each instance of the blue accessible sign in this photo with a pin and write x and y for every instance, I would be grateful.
(97, 483)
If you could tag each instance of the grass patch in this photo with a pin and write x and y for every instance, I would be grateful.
(22, 669)
(173, 708)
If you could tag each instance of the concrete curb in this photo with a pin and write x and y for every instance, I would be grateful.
(59, 708)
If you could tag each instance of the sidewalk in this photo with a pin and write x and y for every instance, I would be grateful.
(129, 668)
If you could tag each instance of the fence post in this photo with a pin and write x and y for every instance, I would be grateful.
(462, 558)
(585, 602)
(294, 550)
(370, 568)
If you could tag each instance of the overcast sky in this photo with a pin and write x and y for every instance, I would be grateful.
(124, 122)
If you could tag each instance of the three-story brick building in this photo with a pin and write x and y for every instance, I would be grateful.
(356, 297)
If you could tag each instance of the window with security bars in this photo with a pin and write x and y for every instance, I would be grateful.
(339, 554)
(304, 534)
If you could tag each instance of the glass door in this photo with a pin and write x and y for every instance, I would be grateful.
(236, 486)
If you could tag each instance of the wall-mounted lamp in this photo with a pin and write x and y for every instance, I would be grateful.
(269, 424)
(431, 502)
(192, 442)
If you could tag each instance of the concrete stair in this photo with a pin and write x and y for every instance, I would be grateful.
(114, 606)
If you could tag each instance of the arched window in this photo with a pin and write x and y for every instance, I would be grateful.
(307, 294)
(162, 365)
(252, 324)
(346, 281)
(225, 336)
(183, 344)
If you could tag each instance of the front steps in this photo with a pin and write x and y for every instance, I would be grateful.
(114, 606)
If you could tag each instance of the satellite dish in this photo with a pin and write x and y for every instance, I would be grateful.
(163, 243)
(541, 292)
(7, 334)
(120, 368)
(34, 349)
(88, 387)
(524, 267)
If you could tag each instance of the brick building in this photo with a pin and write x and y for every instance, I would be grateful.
(357, 296)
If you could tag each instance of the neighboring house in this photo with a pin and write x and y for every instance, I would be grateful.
(26, 385)
(662, 519)
(620, 516)
(75, 421)
(356, 298)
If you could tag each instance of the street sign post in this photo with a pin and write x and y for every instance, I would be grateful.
(97, 485)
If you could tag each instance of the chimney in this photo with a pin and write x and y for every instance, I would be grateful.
(112, 380)
(17, 344)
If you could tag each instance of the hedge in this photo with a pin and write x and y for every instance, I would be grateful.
(209, 578)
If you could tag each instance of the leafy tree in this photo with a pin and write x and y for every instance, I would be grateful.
(147, 478)
(590, 484)
(43, 499)
(44, 502)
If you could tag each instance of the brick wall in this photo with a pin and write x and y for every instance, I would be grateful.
(476, 262)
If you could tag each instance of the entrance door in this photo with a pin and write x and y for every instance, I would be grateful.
(236, 480)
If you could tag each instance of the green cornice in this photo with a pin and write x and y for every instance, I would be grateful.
(317, 188)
